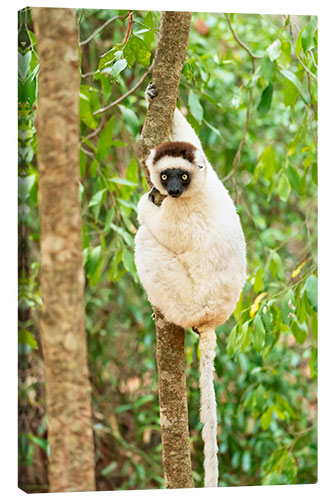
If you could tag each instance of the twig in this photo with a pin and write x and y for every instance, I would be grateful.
(306, 68)
(101, 28)
(242, 44)
(133, 89)
(93, 133)
(129, 26)
(313, 59)
(248, 109)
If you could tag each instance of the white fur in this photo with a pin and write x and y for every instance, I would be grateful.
(191, 259)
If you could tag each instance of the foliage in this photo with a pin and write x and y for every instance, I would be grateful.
(267, 352)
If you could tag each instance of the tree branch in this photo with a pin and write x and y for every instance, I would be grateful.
(170, 56)
(248, 109)
(101, 28)
(123, 97)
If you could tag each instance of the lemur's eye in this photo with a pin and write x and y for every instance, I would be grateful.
(164, 177)
(184, 177)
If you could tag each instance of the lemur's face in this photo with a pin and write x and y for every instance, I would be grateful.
(177, 169)
(175, 181)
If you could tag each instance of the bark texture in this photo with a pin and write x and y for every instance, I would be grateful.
(170, 56)
(71, 459)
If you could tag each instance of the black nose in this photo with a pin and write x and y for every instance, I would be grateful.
(175, 192)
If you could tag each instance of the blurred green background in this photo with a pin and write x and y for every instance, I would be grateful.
(267, 352)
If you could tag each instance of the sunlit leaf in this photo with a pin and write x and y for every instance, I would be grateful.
(259, 334)
(195, 107)
(274, 50)
(255, 306)
(25, 337)
(311, 287)
(284, 187)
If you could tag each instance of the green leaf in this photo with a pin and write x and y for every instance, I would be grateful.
(299, 45)
(109, 56)
(274, 50)
(292, 78)
(104, 140)
(246, 461)
(124, 234)
(93, 259)
(118, 67)
(260, 397)
(107, 470)
(38, 441)
(231, 344)
(132, 173)
(25, 185)
(266, 163)
(131, 120)
(266, 418)
(259, 334)
(25, 337)
(311, 288)
(86, 113)
(284, 187)
(307, 35)
(258, 281)
(290, 94)
(127, 204)
(195, 107)
(148, 35)
(288, 307)
(267, 68)
(314, 364)
(294, 178)
(266, 100)
(128, 260)
(300, 331)
(137, 50)
(27, 91)
(276, 265)
(122, 181)
(97, 198)
(244, 337)
(285, 56)
(24, 64)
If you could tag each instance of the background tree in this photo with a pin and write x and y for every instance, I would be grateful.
(266, 353)
(62, 323)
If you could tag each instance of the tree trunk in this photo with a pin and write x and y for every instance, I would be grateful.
(70, 437)
(170, 56)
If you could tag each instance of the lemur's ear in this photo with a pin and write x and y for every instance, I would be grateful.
(199, 158)
(150, 159)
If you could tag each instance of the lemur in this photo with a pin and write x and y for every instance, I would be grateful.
(190, 255)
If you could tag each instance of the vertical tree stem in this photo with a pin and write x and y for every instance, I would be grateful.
(170, 56)
(71, 459)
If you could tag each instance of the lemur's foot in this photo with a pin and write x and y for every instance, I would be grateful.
(195, 330)
(150, 92)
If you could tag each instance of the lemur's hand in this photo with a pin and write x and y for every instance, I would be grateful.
(152, 193)
(155, 196)
(150, 93)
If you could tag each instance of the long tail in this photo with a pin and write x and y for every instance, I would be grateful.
(208, 404)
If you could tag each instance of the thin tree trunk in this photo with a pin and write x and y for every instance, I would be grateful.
(170, 56)
(70, 437)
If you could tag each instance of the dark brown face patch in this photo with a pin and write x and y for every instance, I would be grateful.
(176, 149)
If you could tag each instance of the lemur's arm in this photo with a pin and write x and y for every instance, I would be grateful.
(148, 212)
(181, 130)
